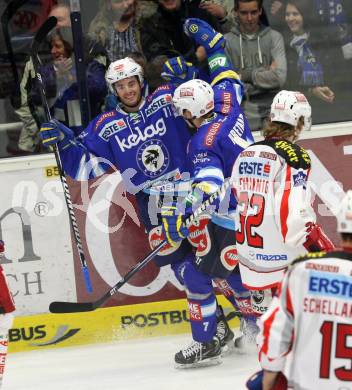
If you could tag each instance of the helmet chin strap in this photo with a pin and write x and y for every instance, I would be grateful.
(190, 123)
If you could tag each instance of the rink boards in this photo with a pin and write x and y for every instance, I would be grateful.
(103, 325)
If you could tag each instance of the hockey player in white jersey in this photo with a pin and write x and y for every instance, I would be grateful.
(310, 321)
(7, 307)
(275, 221)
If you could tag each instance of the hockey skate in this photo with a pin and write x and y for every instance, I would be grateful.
(199, 354)
(247, 342)
(224, 333)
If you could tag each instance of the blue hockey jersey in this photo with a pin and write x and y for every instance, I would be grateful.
(150, 143)
(222, 137)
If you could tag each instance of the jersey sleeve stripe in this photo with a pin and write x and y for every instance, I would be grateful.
(266, 331)
(284, 203)
(212, 172)
(289, 306)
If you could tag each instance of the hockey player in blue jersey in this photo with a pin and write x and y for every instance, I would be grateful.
(144, 138)
(222, 134)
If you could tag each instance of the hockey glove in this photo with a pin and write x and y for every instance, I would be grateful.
(55, 132)
(172, 223)
(177, 71)
(255, 382)
(204, 35)
(317, 240)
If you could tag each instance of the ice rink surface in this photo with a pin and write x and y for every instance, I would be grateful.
(145, 364)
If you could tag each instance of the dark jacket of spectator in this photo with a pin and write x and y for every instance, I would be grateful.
(315, 62)
(61, 92)
(162, 33)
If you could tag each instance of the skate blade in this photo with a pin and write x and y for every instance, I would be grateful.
(213, 361)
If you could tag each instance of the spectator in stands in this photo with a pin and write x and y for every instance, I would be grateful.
(163, 37)
(334, 20)
(62, 13)
(29, 111)
(223, 10)
(115, 27)
(257, 53)
(335, 17)
(308, 56)
(59, 78)
(274, 11)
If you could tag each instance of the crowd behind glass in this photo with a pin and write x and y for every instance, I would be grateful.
(301, 45)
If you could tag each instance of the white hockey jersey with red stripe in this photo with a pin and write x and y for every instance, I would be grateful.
(274, 205)
(310, 322)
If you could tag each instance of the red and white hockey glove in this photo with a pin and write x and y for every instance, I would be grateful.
(7, 304)
(255, 382)
(317, 240)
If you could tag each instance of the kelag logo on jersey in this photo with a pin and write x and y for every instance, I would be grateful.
(139, 136)
(300, 179)
(112, 128)
(337, 286)
(153, 158)
(158, 103)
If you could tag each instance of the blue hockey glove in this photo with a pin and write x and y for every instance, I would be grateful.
(255, 382)
(203, 34)
(54, 132)
(172, 223)
(176, 70)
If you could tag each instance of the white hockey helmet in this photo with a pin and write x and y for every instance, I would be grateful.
(196, 96)
(344, 217)
(122, 69)
(289, 106)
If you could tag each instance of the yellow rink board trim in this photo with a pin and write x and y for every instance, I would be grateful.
(103, 325)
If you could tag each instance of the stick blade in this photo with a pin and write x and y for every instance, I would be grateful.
(43, 31)
(70, 307)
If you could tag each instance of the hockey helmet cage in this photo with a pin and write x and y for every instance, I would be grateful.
(196, 96)
(122, 69)
(289, 106)
(344, 217)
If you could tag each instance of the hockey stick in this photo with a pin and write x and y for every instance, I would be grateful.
(41, 34)
(6, 16)
(76, 26)
(72, 307)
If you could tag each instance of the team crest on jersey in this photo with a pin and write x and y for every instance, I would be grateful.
(222, 85)
(156, 237)
(229, 257)
(300, 180)
(153, 158)
(258, 296)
